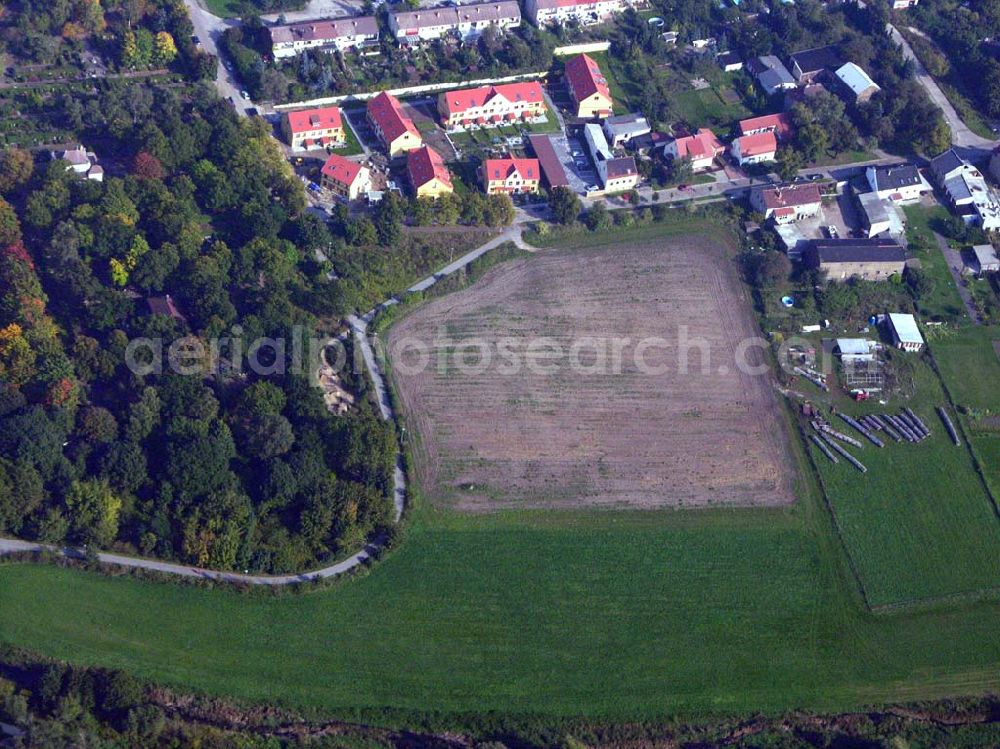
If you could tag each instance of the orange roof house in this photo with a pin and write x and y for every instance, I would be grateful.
(309, 128)
(490, 106)
(780, 124)
(427, 173)
(755, 148)
(588, 87)
(702, 148)
(510, 176)
(396, 131)
(345, 178)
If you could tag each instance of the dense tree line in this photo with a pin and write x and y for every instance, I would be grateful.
(226, 469)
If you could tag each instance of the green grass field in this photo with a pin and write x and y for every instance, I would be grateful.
(919, 524)
(705, 108)
(943, 301)
(613, 615)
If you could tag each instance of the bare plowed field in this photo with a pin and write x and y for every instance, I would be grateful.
(559, 381)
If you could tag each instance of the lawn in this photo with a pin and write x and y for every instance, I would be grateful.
(943, 301)
(919, 524)
(705, 108)
(615, 615)
(223, 8)
(970, 366)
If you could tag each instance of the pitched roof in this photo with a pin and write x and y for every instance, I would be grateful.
(323, 118)
(464, 99)
(503, 169)
(549, 162)
(341, 170)
(757, 144)
(817, 58)
(728, 58)
(424, 164)
(946, 163)
(895, 177)
(325, 29)
(621, 167)
(905, 327)
(780, 123)
(585, 78)
(770, 71)
(550, 4)
(386, 110)
(425, 18)
(865, 250)
(701, 145)
(789, 196)
(855, 78)
(623, 124)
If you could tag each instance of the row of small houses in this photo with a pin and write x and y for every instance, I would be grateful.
(412, 27)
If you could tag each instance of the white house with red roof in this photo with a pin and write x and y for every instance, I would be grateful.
(492, 106)
(757, 148)
(396, 131)
(588, 88)
(427, 173)
(787, 203)
(702, 148)
(510, 176)
(780, 124)
(581, 12)
(345, 178)
(313, 128)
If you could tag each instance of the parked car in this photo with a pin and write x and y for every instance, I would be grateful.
(815, 177)
(314, 187)
(832, 231)
(245, 95)
(682, 187)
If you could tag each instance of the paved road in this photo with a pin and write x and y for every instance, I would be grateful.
(208, 28)
(960, 133)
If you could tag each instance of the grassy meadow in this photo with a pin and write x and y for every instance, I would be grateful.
(611, 615)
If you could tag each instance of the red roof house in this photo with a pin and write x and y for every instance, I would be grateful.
(701, 148)
(780, 124)
(755, 148)
(588, 87)
(308, 127)
(392, 126)
(427, 172)
(344, 177)
(510, 175)
(492, 104)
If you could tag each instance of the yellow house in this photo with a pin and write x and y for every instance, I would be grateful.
(396, 131)
(428, 174)
(588, 88)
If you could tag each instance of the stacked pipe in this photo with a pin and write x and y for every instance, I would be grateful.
(827, 429)
(847, 456)
(914, 426)
(822, 446)
(949, 426)
(919, 423)
(814, 377)
(864, 430)
(886, 428)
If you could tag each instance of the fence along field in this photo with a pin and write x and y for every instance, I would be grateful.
(490, 440)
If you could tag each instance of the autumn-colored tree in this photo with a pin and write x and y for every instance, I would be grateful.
(165, 50)
(10, 227)
(91, 15)
(147, 166)
(73, 31)
(93, 510)
(17, 360)
(16, 166)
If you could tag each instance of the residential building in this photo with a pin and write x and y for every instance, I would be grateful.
(588, 88)
(809, 64)
(905, 333)
(881, 216)
(467, 22)
(328, 33)
(345, 178)
(903, 4)
(985, 259)
(754, 149)
(856, 84)
(786, 204)
(396, 131)
(618, 174)
(428, 175)
(900, 183)
(309, 128)
(771, 74)
(510, 176)
(974, 200)
(870, 259)
(581, 12)
(81, 162)
(597, 144)
(729, 61)
(491, 106)
(780, 124)
(553, 172)
(622, 128)
(702, 148)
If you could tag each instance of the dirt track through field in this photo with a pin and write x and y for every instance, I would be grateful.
(642, 435)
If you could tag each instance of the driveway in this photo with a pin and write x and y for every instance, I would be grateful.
(208, 28)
